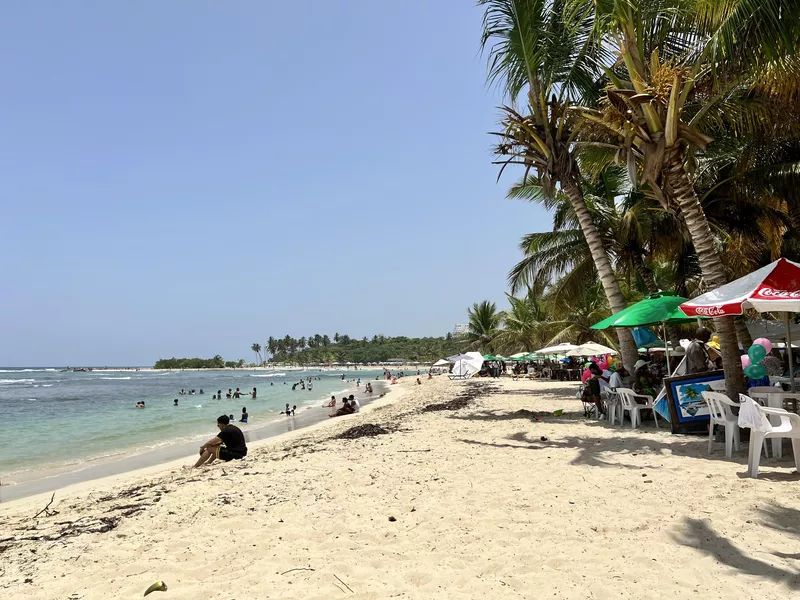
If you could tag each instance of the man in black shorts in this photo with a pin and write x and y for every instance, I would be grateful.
(234, 445)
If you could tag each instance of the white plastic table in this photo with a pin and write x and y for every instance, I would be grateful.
(775, 400)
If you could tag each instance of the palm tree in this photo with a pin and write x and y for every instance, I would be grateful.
(257, 349)
(326, 341)
(574, 322)
(272, 346)
(685, 67)
(533, 48)
(484, 325)
(528, 325)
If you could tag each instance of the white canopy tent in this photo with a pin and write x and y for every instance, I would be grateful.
(591, 349)
(559, 349)
(441, 363)
(467, 364)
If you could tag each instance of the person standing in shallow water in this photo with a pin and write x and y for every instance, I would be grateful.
(253, 393)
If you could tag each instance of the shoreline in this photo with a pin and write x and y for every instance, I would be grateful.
(118, 468)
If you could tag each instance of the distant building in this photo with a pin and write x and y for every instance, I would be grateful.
(460, 329)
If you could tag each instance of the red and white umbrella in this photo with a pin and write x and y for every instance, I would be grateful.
(774, 288)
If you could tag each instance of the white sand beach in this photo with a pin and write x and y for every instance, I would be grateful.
(479, 502)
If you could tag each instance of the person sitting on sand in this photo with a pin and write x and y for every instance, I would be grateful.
(355, 403)
(418, 381)
(330, 404)
(368, 388)
(346, 409)
(229, 444)
(244, 415)
(394, 380)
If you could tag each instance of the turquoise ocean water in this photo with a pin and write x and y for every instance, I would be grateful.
(57, 421)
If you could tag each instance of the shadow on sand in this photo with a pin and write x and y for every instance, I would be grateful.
(698, 534)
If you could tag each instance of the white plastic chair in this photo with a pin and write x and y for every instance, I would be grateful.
(761, 429)
(612, 402)
(719, 411)
(627, 398)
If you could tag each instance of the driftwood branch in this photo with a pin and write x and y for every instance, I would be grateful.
(298, 569)
(343, 583)
(44, 510)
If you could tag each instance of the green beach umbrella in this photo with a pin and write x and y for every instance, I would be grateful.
(489, 357)
(657, 309)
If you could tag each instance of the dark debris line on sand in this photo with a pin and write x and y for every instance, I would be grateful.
(367, 430)
(472, 393)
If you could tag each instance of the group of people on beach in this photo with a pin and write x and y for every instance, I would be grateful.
(349, 406)
(229, 443)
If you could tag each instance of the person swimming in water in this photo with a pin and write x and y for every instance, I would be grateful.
(229, 394)
(176, 402)
(244, 415)
(253, 393)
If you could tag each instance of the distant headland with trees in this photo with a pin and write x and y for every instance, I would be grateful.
(321, 349)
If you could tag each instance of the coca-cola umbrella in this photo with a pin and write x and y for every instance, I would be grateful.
(774, 288)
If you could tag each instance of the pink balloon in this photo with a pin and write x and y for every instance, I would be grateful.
(603, 366)
(586, 375)
(764, 342)
(745, 361)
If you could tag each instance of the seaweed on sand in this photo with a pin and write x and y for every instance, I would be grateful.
(367, 430)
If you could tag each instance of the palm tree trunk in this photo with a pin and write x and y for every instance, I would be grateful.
(608, 278)
(745, 339)
(700, 232)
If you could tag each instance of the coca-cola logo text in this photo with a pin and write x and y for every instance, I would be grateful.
(773, 293)
(709, 311)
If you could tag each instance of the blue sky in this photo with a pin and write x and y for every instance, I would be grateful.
(188, 177)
